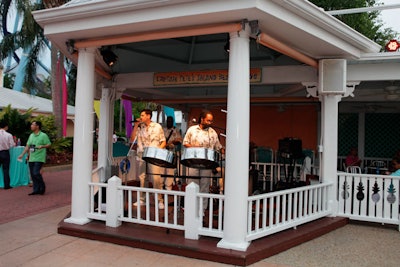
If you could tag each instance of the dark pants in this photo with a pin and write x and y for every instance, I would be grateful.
(5, 162)
(37, 179)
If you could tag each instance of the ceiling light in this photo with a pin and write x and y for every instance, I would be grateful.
(108, 56)
(227, 45)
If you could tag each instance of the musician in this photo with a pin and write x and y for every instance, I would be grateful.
(173, 139)
(202, 135)
(148, 134)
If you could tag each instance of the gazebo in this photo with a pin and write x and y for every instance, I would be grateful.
(171, 53)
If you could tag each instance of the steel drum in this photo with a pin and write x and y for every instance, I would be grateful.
(160, 157)
(200, 158)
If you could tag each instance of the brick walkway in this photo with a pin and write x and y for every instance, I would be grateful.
(16, 204)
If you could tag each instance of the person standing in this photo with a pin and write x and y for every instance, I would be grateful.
(352, 158)
(202, 135)
(6, 142)
(114, 137)
(148, 134)
(37, 145)
(173, 139)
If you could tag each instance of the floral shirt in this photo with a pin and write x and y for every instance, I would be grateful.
(198, 137)
(150, 136)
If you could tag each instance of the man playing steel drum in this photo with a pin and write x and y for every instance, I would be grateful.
(148, 134)
(202, 135)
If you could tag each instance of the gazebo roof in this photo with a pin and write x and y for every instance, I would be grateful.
(189, 35)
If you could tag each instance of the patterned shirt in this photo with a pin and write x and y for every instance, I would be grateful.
(150, 136)
(6, 140)
(208, 138)
(173, 134)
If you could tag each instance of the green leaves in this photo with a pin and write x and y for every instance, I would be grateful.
(366, 23)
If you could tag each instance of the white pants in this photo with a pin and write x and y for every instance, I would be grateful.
(153, 174)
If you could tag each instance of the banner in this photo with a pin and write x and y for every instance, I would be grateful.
(96, 105)
(199, 77)
(65, 101)
(170, 112)
(128, 117)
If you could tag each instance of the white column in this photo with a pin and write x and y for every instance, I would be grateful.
(83, 137)
(329, 115)
(105, 133)
(237, 143)
(332, 87)
(361, 136)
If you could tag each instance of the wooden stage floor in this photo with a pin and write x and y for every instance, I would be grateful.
(173, 242)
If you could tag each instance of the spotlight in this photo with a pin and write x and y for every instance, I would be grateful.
(70, 46)
(108, 56)
(226, 47)
(227, 44)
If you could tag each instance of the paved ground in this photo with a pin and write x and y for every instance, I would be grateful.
(16, 204)
(28, 237)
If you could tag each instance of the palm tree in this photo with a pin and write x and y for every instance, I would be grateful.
(57, 61)
(31, 39)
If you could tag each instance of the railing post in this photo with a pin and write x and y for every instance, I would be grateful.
(113, 207)
(191, 216)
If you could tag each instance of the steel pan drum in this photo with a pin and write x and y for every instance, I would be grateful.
(160, 157)
(200, 158)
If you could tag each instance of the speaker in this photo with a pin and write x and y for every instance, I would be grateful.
(332, 76)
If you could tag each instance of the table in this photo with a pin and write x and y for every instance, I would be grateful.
(19, 171)
(372, 170)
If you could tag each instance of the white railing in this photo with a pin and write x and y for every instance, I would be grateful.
(369, 197)
(364, 197)
(266, 173)
(150, 213)
(210, 226)
(273, 172)
(193, 221)
(366, 162)
(97, 207)
(274, 212)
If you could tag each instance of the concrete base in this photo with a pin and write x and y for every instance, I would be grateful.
(235, 246)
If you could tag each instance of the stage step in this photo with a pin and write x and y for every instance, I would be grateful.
(173, 241)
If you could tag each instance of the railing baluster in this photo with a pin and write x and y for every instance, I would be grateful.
(264, 213)
(249, 215)
(257, 215)
(220, 209)
(277, 209)
(271, 211)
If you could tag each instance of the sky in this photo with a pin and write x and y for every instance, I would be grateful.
(391, 16)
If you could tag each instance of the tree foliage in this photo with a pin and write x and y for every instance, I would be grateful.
(9, 79)
(367, 23)
(30, 38)
(18, 122)
(58, 144)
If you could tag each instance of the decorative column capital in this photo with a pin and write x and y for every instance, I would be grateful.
(312, 89)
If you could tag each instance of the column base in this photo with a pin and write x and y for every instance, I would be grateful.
(78, 221)
(242, 246)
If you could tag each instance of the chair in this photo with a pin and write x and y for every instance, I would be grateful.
(378, 163)
(353, 169)
(265, 155)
